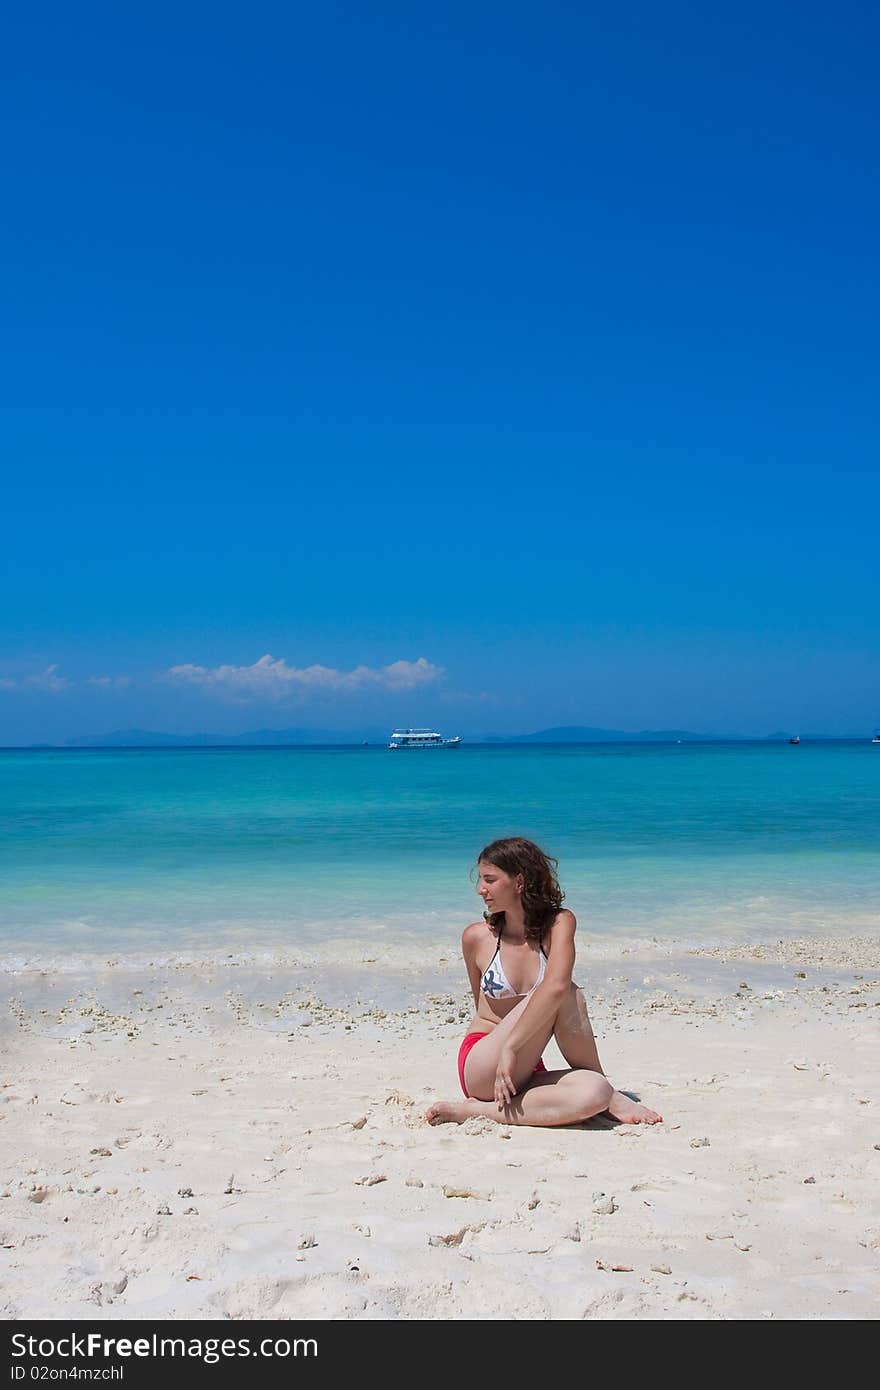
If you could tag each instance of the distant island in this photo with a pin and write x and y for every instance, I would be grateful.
(374, 736)
(578, 733)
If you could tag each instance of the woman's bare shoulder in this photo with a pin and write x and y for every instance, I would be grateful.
(473, 933)
(565, 919)
(474, 939)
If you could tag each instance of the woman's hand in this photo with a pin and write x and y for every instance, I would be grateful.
(505, 1090)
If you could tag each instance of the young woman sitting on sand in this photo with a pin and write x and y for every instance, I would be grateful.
(524, 1001)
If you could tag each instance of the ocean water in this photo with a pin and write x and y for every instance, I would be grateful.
(132, 851)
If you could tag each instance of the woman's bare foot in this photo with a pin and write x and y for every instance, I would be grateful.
(444, 1112)
(630, 1112)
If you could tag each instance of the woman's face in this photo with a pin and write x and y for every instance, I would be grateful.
(497, 889)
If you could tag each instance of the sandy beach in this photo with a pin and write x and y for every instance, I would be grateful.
(245, 1138)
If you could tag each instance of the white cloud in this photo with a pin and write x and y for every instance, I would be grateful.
(272, 679)
(47, 680)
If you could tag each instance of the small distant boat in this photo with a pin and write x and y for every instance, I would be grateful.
(796, 739)
(422, 738)
(876, 738)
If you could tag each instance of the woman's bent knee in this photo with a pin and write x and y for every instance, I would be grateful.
(596, 1092)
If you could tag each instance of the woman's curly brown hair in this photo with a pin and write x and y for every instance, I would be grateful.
(541, 896)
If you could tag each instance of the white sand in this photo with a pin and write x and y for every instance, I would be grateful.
(757, 1196)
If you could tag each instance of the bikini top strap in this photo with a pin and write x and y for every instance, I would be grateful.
(492, 961)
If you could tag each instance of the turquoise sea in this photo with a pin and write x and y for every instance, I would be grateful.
(146, 850)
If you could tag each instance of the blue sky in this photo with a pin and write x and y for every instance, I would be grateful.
(535, 346)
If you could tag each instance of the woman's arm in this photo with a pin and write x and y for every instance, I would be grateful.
(469, 938)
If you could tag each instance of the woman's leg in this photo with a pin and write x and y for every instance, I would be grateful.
(481, 1063)
(574, 1032)
(574, 1038)
(553, 1098)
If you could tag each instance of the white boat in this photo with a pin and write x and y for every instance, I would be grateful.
(422, 738)
(876, 738)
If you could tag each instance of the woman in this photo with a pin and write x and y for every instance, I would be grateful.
(524, 1001)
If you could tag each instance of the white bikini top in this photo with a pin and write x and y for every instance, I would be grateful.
(495, 984)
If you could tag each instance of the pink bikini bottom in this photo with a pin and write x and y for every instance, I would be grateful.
(470, 1041)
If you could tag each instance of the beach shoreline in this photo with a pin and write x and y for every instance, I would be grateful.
(209, 1140)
